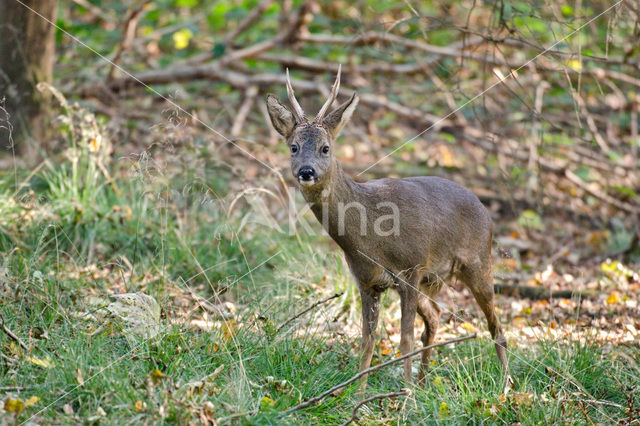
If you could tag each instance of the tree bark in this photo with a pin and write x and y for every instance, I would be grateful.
(27, 52)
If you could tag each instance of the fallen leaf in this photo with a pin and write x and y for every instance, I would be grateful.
(443, 410)
(14, 405)
(80, 378)
(467, 326)
(229, 328)
(40, 362)
(138, 315)
(207, 414)
(95, 143)
(522, 398)
(157, 375)
(267, 402)
(614, 297)
(519, 322)
(31, 401)
(198, 387)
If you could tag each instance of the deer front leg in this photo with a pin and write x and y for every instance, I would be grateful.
(408, 306)
(430, 313)
(370, 309)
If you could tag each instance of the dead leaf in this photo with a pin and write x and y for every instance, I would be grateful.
(613, 298)
(31, 401)
(229, 328)
(80, 378)
(40, 362)
(138, 315)
(14, 405)
(267, 402)
(157, 375)
(443, 410)
(519, 321)
(198, 387)
(467, 326)
(207, 414)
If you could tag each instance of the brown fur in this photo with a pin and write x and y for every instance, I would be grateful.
(444, 233)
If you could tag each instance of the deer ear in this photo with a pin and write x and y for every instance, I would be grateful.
(335, 121)
(281, 118)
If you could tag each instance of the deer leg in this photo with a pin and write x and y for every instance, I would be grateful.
(408, 306)
(430, 314)
(480, 282)
(370, 309)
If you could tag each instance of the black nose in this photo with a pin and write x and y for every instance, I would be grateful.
(306, 173)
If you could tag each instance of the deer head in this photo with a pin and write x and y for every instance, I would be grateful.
(311, 142)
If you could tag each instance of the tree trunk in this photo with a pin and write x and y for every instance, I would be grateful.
(26, 57)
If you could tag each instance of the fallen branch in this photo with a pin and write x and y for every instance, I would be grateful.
(304, 311)
(320, 397)
(354, 413)
(541, 293)
(12, 335)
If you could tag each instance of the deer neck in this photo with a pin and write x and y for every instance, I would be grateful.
(326, 202)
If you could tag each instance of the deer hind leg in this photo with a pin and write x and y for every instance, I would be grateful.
(408, 306)
(370, 310)
(479, 280)
(430, 314)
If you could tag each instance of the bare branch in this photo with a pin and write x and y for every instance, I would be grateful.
(127, 36)
(249, 98)
(12, 335)
(304, 311)
(248, 20)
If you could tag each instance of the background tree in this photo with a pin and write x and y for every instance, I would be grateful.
(26, 57)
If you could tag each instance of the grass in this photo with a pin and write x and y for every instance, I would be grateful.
(71, 236)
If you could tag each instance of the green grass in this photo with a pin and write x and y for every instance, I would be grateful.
(66, 244)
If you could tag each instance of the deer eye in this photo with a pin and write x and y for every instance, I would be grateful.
(294, 148)
(325, 149)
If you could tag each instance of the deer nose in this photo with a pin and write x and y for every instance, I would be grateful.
(307, 174)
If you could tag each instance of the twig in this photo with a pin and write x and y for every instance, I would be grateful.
(244, 110)
(581, 406)
(8, 359)
(255, 13)
(593, 402)
(354, 413)
(318, 398)
(601, 195)
(12, 335)
(301, 313)
(93, 9)
(127, 37)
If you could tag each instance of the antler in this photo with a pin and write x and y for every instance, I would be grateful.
(297, 109)
(332, 97)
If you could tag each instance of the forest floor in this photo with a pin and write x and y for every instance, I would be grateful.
(225, 342)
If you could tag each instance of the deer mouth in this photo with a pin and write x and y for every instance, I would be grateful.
(307, 182)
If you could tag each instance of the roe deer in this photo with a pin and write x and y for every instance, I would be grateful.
(440, 231)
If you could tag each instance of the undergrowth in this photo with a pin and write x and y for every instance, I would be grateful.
(82, 228)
